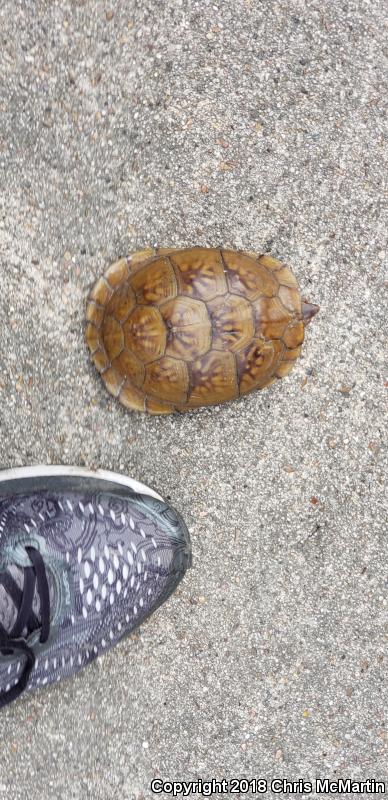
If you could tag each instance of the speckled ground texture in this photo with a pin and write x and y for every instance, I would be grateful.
(248, 124)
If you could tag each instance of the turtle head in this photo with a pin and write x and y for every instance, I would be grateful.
(309, 310)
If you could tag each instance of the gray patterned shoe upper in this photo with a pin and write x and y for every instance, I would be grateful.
(82, 563)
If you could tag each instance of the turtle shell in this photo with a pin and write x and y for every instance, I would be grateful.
(172, 330)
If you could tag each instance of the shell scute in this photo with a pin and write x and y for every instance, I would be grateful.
(284, 368)
(256, 364)
(167, 379)
(101, 292)
(213, 379)
(132, 397)
(188, 328)
(100, 360)
(286, 278)
(155, 282)
(145, 333)
(247, 276)
(92, 338)
(291, 355)
(294, 334)
(121, 303)
(271, 318)
(138, 259)
(158, 406)
(130, 367)
(200, 272)
(290, 297)
(270, 263)
(95, 314)
(117, 273)
(232, 322)
(112, 337)
(113, 381)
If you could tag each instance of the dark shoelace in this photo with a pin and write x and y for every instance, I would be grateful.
(13, 641)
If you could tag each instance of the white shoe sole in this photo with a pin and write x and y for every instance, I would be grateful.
(48, 471)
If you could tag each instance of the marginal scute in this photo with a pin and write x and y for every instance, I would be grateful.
(100, 360)
(145, 333)
(95, 313)
(278, 350)
(129, 366)
(291, 355)
(92, 338)
(285, 277)
(101, 292)
(138, 258)
(290, 298)
(122, 302)
(271, 318)
(112, 337)
(213, 379)
(200, 272)
(247, 276)
(284, 368)
(188, 328)
(117, 273)
(132, 397)
(167, 379)
(256, 364)
(294, 334)
(158, 406)
(166, 251)
(271, 263)
(113, 381)
(155, 282)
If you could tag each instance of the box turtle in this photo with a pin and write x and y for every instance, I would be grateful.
(172, 330)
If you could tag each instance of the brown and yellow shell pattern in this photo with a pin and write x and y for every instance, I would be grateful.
(172, 330)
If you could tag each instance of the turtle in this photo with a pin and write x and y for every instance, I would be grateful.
(176, 329)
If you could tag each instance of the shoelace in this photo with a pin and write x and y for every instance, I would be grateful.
(12, 641)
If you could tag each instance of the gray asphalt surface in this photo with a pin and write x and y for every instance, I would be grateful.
(250, 124)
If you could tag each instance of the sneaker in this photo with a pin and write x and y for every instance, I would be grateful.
(85, 557)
